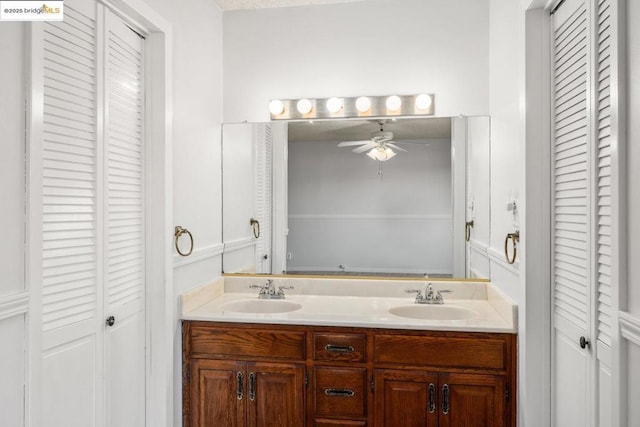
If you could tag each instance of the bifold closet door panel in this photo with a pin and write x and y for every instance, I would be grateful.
(70, 206)
(124, 224)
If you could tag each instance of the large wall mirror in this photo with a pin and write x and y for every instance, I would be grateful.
(375, 197)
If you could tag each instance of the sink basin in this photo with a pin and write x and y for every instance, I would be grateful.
(433, 312)
(261, 306)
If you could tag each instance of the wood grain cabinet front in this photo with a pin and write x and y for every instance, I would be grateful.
(239, 394)
(237, 375)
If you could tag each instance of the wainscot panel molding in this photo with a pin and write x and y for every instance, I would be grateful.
(14, 304)
(198, 255)
(497, 257)
(236, 245)
(630, 327)
(366, 216)
(479, 247)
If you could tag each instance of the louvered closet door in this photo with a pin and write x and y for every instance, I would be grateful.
(571, 216)
(93, 221)
(71, 314)
(124, 225)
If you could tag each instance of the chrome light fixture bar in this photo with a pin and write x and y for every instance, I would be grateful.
(352, 107)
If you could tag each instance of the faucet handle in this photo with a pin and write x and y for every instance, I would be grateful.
(413, 291)
(438, 297)
(285, 287)
(256, 286)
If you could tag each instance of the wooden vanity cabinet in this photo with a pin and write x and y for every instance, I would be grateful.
(432, 399)
(242, 376)
(292, 376)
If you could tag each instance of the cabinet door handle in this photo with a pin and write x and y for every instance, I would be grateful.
(432, 398)
(445, 399)
(339, 348)
(252, 386)
(239, 386)
(339, 392)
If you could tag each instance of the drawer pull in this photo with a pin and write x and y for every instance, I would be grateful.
(339, 348)
(339, 392)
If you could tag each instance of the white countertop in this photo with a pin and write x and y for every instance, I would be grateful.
(355, 303)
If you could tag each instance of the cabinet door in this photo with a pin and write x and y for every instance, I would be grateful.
(276, 395)
(405, 398)
(471, 400)
(218, 393)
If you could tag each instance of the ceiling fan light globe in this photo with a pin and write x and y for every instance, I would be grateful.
(373, 153)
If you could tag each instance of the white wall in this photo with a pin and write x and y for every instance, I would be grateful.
(197, 118)
(373, 47)
(239, 195)
(506, 79)
(341, 211)
(13, 299)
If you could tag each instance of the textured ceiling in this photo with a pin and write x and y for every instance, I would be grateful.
(261, 4)
(349, 130)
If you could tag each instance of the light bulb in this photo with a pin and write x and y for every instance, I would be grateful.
(394, 103)
(363, 104)
(276, 107)
(334, 105)
(373, 154)
(304, 106)
(423, 101)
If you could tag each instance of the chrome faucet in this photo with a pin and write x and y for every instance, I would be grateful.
(268, 290)
(429, 297)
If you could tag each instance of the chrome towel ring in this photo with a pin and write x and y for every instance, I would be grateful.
(179, 231)
(515, 238)
(467, 230)
(255, 226)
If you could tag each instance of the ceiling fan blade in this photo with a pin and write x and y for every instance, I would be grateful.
(412, 142)
(392, 145)
(351, 143)
(364, 148)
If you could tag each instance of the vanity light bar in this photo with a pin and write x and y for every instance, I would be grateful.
(352, 107)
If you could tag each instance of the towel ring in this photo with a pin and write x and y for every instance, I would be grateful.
(255, 226)
(515, 238)
(179, 231)
(467, 230)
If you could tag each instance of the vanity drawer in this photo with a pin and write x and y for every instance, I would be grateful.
(451, 352)
(340, 391)
(333, 347)
(254, 343)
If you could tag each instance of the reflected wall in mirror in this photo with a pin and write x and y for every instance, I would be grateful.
(355, 197)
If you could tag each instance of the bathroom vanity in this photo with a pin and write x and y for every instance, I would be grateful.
(333, 354)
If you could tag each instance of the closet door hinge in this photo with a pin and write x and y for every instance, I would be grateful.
(306, 378)
(372, 385)
(507, 393)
